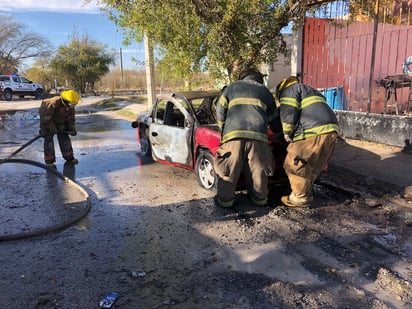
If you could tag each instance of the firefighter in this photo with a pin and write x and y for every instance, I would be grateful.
(244, 110)
(57, 116)
(310, 127)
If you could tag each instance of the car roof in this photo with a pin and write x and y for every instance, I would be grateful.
(192, 95)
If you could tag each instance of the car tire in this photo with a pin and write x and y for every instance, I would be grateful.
(7, 95)
(205, 170)
(38, 94)
(145, 147)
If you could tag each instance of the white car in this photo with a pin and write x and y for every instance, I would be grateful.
(14, 84)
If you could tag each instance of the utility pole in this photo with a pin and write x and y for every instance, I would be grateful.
(121, 65)
(151, 89)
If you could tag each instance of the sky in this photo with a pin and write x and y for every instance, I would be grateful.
(57, 20)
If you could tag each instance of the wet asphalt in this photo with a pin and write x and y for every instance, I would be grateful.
(42, 265)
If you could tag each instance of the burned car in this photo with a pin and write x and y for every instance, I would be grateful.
(181, 130)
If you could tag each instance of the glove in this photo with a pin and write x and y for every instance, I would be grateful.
(287, 138)
(73, 133)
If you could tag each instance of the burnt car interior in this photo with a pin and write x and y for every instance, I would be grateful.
(174, 117)
(160, 112)
(206, 113)
(168, 113)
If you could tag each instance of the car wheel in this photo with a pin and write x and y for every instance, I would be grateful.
(39, 94)
(145, 148)
(7, 95)
(205, 170)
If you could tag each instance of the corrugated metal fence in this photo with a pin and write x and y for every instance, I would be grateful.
(338, 55)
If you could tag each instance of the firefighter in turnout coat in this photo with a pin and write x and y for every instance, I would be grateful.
(57, 116)
(243, 112)
(310, 127)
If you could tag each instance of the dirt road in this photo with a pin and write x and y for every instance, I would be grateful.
(155, 238)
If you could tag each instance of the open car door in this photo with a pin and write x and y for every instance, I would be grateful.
(171, 132)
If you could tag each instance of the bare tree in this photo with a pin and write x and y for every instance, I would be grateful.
(18, 45)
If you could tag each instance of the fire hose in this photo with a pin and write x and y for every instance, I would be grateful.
(20, 149)
(57, 226)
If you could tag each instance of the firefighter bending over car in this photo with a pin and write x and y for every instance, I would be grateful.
(310, 127)
(243, 112)
(57, 116)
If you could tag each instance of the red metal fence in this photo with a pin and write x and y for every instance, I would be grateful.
(338, 53)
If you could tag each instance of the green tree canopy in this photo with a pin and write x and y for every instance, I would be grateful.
(40, 72)
(221, 36)
(82, 62)
(17, 45)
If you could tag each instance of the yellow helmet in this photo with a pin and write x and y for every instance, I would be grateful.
(71, 96)
(284, 83)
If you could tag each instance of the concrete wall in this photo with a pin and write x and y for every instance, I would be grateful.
(389, 130)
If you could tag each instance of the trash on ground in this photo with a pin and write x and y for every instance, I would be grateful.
(108, 300)
(138, 274)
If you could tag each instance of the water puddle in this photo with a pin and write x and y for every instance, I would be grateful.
(86, 111)
(17, 119)
(105, 125)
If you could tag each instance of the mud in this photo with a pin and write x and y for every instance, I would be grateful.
(155, 237)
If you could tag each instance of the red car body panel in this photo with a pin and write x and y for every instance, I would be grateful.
(208, 138)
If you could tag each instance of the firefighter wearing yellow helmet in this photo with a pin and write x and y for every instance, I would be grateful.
(57, 117)
(310, 127)
(71, 97)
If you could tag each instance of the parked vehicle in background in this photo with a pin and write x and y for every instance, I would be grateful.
(181, 130)
(15, 84)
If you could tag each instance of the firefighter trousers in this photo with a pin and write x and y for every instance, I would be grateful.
(253, 159)
(305, 160)
(65, 145)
